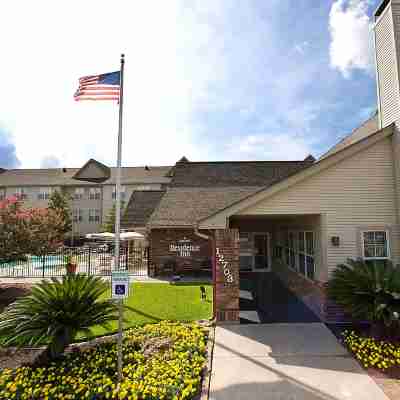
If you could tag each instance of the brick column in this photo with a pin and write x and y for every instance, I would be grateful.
(227, 275)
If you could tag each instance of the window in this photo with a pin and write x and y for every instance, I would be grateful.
(375, 245)
(94, 215)
(94, 193)
(144, 188)
(21, 193)
(290, 249)
(306, 254)
(78, 194)
(246, 252)
(2, 194)
(77, 215)
(44, 193)
(114, 193)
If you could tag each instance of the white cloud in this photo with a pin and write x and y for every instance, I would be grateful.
(270, 147)
(54, 44)
(50, 162)
(351, 36)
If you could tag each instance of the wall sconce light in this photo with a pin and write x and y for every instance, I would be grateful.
(335, 240)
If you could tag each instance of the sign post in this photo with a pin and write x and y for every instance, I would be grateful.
(120, 290)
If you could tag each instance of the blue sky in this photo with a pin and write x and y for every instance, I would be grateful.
(210, 79)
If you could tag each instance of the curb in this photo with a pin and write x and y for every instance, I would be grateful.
(205, 387)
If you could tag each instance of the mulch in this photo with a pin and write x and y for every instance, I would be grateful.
(9, 292)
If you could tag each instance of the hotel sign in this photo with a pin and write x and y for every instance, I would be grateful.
(184, 248)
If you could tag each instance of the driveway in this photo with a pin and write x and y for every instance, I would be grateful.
(286, 362)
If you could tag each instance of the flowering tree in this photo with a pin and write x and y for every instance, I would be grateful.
(27, 231)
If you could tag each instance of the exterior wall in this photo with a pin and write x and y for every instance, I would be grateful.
(81, 228)
(387, 31)
(313, 294)
(356, 193)
(227, 275)
(32, 192)
(104, 204)
(161, 256)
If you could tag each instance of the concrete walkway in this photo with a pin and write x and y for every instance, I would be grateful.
(286, 362)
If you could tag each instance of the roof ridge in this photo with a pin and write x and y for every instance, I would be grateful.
(244, 161)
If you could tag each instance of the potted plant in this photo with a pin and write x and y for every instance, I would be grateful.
(70, 264)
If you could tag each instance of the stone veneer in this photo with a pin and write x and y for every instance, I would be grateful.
(312, 293)
(227, 275)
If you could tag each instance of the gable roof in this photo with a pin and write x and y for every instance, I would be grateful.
(140, 207)
(199, 189)
(367, 128)
(233, 173)
(184, 206)
(320, 165)
(64, 176)
(93, 171)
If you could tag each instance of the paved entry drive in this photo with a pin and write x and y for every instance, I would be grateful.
(286, 362)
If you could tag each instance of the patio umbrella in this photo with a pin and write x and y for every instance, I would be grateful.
(111, 236)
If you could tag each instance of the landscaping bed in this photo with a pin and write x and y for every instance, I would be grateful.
(379, 358)
(161, 361)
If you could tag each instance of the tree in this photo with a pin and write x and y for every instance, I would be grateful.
(58, 202)
(56, 311)
(27, 230)
(109, 224)
(14, 231)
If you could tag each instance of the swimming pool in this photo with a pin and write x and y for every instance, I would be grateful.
(37, 262)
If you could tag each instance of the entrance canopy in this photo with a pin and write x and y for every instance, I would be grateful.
(108, 236)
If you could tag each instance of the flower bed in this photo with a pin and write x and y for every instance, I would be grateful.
(371, 352)
(161, 361)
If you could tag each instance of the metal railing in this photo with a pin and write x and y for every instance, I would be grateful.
(91, 260)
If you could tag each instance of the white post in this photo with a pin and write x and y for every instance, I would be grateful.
(118, 213)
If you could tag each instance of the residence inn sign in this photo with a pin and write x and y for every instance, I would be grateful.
(184, 248)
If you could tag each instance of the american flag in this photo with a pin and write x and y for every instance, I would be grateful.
(99, 87)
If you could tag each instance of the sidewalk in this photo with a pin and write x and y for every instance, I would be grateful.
(286, 362)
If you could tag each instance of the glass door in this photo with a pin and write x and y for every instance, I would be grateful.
(261, 252)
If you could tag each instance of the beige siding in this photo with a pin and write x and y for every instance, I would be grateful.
(85, 204)
(354, 194)
(387, 29)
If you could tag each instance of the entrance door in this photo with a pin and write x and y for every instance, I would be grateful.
(262, 259)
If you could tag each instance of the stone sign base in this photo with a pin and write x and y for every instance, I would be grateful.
(227, 275)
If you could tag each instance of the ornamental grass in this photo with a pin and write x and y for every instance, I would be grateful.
(171, 370)
(371, 352)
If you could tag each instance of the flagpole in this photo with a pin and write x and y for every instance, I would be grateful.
(118, 212)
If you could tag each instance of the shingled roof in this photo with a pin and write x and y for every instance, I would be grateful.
(140, 207)
(199, 189)
(185, 206)
(233, 173)
(64, 176)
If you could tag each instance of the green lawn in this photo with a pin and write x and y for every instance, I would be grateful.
(153, 302)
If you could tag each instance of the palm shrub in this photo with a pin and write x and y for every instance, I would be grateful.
(56, 311)
(368, 291)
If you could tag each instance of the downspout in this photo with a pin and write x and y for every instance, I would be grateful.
(214, 265)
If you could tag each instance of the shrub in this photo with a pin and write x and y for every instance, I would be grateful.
(367, 291)
(170, 373)
(56, 311)
(371, 352)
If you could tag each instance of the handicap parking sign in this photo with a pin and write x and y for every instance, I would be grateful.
(120, 284)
